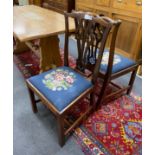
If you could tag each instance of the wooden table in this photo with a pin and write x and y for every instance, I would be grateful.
(32, 22)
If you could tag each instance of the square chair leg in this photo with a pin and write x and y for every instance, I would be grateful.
(33, 102)
(131, 82)
(61, 130)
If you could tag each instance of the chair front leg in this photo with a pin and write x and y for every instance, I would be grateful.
(131, 82)
(33, 102)
(61, 130)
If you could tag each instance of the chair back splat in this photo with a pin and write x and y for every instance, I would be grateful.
(91, 32)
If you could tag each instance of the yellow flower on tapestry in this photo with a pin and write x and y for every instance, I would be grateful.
(59, 79)
(105, 59)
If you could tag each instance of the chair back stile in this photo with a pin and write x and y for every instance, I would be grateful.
(66, 44)
(108, 73)
(91, 31)
(112, 48)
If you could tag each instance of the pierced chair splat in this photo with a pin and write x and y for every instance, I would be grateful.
(62, 88)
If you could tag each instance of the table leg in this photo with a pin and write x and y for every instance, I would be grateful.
(50, 54)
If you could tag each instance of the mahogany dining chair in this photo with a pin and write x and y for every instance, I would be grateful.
(113, 66)
(62, 88)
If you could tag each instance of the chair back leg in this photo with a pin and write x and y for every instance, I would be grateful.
(131, 82)
(92, 101)
(103, 92)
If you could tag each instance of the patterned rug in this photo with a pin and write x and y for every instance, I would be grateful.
(115, 129)
(28, 62)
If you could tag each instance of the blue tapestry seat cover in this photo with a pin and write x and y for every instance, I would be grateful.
(120, 62)
(60, 86)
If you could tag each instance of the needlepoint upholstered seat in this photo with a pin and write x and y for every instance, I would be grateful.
(119, 63)
(62, 88)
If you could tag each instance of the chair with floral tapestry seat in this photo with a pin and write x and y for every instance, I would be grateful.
(113, 66)
(62, 88)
